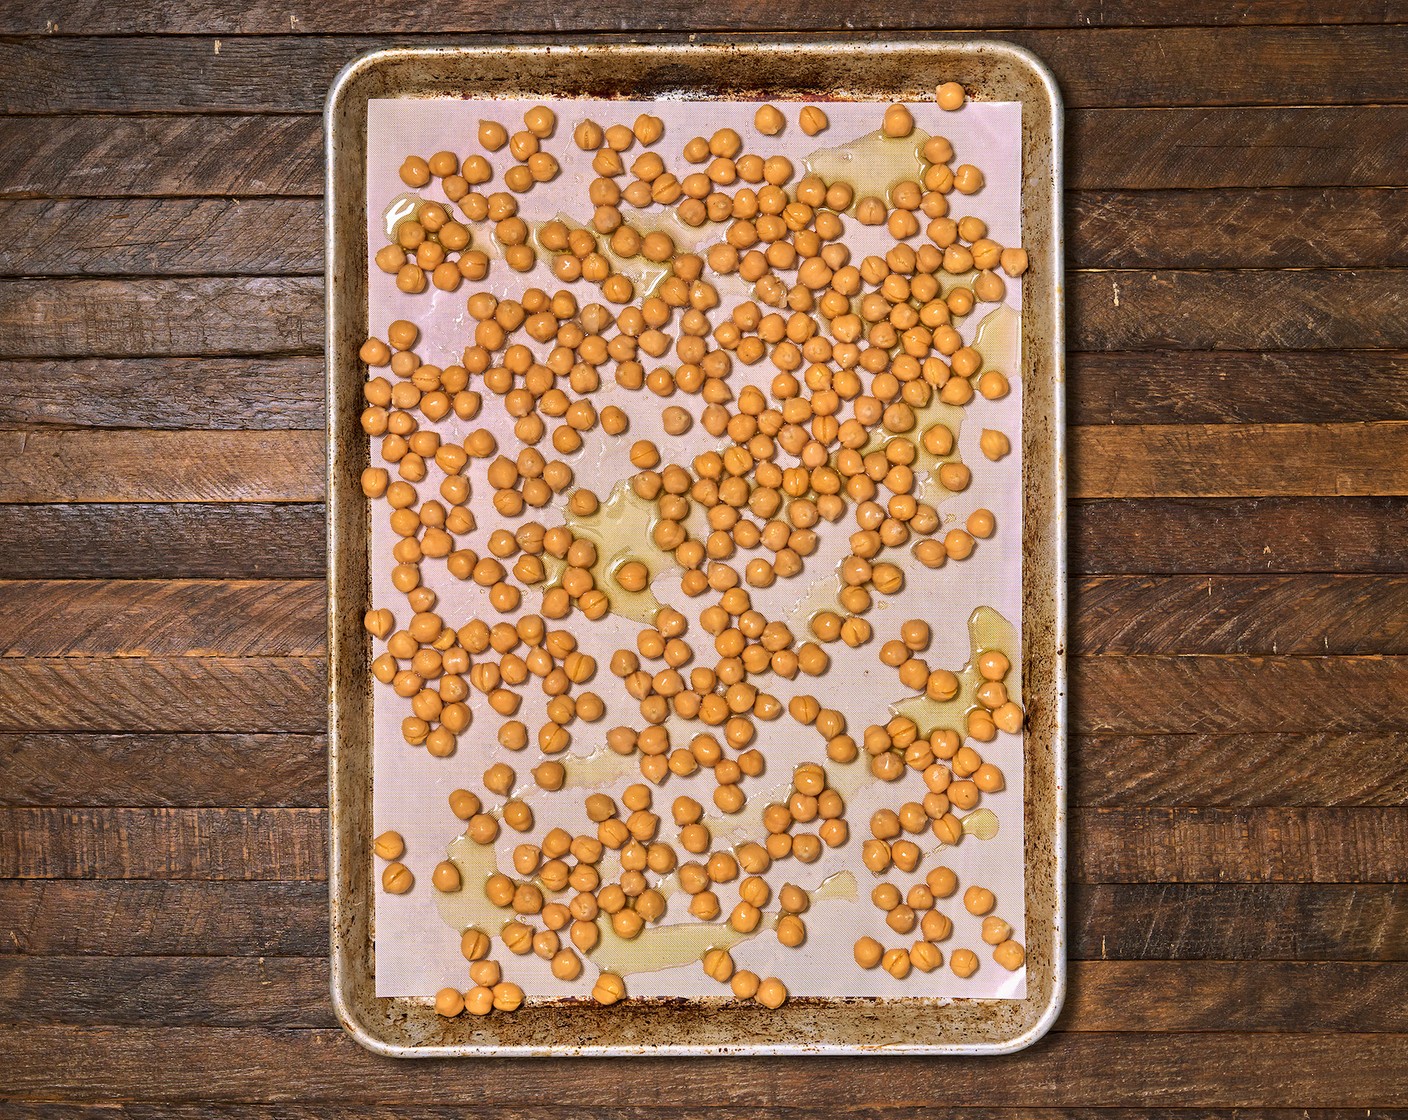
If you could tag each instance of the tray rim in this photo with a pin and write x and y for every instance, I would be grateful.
(341, 964)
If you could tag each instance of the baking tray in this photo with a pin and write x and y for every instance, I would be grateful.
(835, 68)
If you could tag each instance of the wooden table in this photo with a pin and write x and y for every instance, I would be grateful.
(1238, 302)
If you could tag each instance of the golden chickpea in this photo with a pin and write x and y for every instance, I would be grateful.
(898, 121)
(492, 135)
(936, 926)
(813, 120)
(1010, 955)
(896, 962)
(868, 952)
(474, 944)
(993, 385)
(769, 120)
(744, 984)
(995, 930)
(389, 846)
(967, 179)
(978, 900)
(994, 444)
(608, 989)
(950, 96)
(1014, 261)
(771, 993)
(963, 962)
(415, 172)
(396, 878)
(718, 965)
(449, 1002)
(446, 877)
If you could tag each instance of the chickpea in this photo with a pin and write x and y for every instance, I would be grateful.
(492, 135)
(994, 444)
(978, 900)
(389, 846)
(950, 96)
(1014, 261)
(967, 179)
(396, 878)
(813, 120)
(446, 877)
(963, 962)
(771, 993)
(898, 122)
(449, 1002)
(744, 984)
(769, 120)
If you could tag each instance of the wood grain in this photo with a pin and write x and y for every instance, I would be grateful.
(1134, 461)
(1239, 535)
(1295, 310)
(236, 694)
(1239, 614)
(1111, 1069)
(163, 237)
(1122, 387)
(1111, 921)
(215, 618)
(1106, 149)
(208, 393)
(1217, 387)
(217, 316)
(164, 843)
(1095, 68)
(242, 541)
(1178, 695)
(1314, 227)
(1156, 694)
(262, 17)
(1261, 996)
(1308, 228)
(129, 769)
(88, 769)
(1366, 845)
(1239, 460)
(1310, 769)
(1251, 845)
(52, 465)
(161, 317)
(137, 1110)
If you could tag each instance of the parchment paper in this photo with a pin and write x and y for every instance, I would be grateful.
(416, 951)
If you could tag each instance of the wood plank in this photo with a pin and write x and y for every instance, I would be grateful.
(137, 1110)
(222, 316)
(1239, 536)
(1095, 68)
(1310, 228)
(166, 237)
(1097, 1068)
(79, 768)
(1239, 614)
(236, 694)
(1239, 460)
(208, 393)
(263, 17)
(121, 843)
(1156, 694)
(1170, 537)
(1107, 845)
(1314, 227)
(1121, 387)
(1232, 387)
(164, 918)
(240, 541)
(212, 618)
(1252, 845)
(1237, 771)
(1180, 695)
(1294, 310)
(1303, 770)
(1261, 996)
(1136, 461)
(52, 465)
(1316, 614)
(217, 316)
(1106, 149)
(1111, 921)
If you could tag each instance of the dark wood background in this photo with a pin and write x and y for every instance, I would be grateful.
(1237, 223)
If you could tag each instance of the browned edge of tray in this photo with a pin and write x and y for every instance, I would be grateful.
(831, 68)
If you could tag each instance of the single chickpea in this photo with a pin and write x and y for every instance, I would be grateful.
(449, 1002)
(771, 993)
(868, 952)
(896, 962)
(978, 900)
(492, 135)
(396, 878)
(950, 96)
(813, 120)
(994, 444)
(1010, 955)
(898, 121)
(963, 962)
(744, 984)
(769, 120)
(967, 179)
(446, 877)
(389, 846)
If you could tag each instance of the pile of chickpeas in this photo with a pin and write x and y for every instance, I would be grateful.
(859, 351)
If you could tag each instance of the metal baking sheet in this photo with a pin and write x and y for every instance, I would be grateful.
(864, 72)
